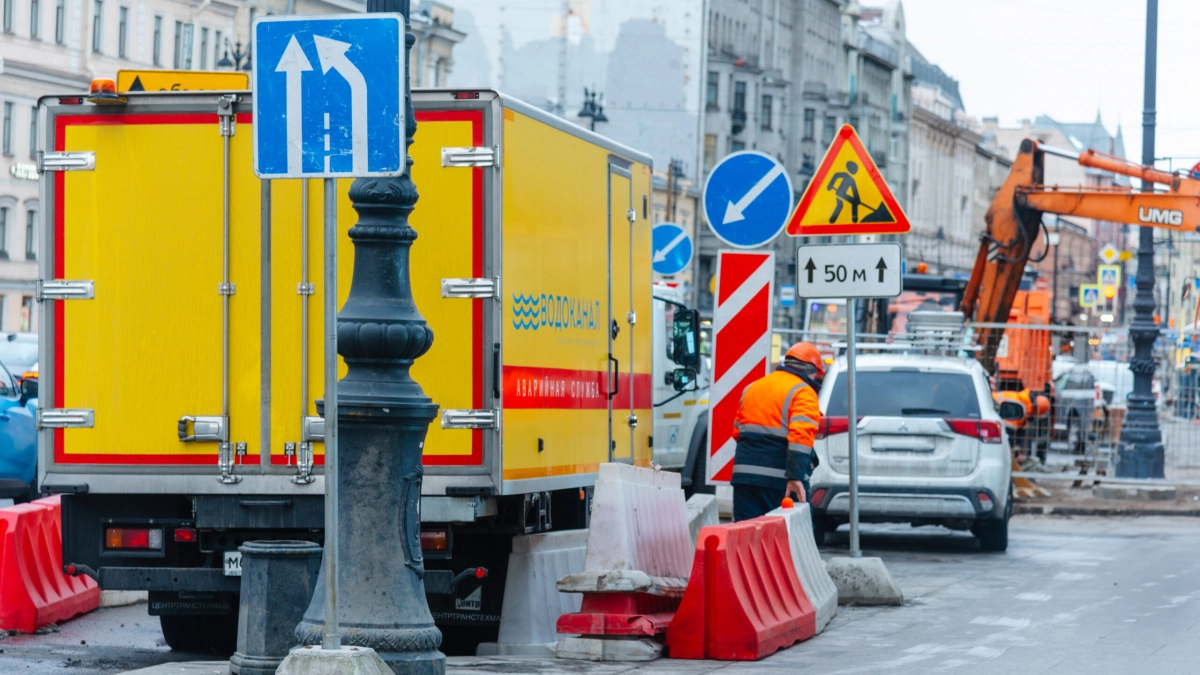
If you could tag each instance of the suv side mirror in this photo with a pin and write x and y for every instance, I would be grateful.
(684, 379)
(685, 338)
(1011, 411)
(29, 389)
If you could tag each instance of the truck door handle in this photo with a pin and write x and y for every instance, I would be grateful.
(614, 377)
(496, 371)
(4, 417)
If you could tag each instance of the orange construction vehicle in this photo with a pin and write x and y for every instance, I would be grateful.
(1014, 222)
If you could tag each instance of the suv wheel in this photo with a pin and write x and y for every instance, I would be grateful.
(993, 534)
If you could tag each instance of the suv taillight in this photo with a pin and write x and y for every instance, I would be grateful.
(829, 426)
(988, 432)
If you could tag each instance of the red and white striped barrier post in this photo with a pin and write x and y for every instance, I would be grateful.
(741, 347)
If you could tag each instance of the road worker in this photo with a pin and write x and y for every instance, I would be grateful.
(774, 429)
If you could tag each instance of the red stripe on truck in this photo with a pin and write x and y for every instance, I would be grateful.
(561, 388)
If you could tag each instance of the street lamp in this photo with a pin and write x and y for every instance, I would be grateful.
(592, 109)
(238, 56)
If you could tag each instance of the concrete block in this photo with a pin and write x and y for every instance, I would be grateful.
(701, 512)
(818, 586)
(532, 603)
(345, 661)
(863, 581)
(1114, 492)
(122, 598)
(1165, 493)
(595, 649)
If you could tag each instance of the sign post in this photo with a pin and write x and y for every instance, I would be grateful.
(848, 196)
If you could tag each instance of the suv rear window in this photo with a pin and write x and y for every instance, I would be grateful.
(908, 393)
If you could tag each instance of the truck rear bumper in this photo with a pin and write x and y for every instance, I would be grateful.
(167, 579)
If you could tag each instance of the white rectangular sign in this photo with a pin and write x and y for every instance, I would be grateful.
(849, 271)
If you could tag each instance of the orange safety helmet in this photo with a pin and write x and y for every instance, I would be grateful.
(805, 352)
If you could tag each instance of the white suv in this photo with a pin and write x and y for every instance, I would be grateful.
(931, 448)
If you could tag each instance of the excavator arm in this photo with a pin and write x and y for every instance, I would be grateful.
(1015, 216)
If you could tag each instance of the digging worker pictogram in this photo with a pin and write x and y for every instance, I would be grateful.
(774, 429)
(847, 192)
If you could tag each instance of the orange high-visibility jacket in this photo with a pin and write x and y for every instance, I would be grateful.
(775, 428)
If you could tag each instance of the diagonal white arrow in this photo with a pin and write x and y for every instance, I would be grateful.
(661, 256)
(733, 212)
(294, 63)
(332, 54)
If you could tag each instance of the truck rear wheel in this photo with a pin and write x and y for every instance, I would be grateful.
(700, 471)
(205, 633)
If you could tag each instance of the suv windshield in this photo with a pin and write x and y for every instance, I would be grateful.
(908, 393)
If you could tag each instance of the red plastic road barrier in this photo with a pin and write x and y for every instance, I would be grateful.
(744, 600)
(34, 591)
(619, 613)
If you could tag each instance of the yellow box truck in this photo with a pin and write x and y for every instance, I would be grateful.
(181, 340)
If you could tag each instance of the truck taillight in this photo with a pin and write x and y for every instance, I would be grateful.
(829, 426)
(435, 540)
(988, 432)
(185, 535)
(126, 538)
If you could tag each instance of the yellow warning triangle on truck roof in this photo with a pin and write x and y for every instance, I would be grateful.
(847, 195)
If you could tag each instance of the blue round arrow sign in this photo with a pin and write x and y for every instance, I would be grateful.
(672, 248)
(747, 199)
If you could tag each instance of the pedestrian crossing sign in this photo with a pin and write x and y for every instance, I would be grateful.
(847, 195)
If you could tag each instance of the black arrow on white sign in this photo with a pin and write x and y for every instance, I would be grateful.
(810, 267)
(881, 267)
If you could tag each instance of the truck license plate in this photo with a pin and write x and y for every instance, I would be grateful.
(233, 564)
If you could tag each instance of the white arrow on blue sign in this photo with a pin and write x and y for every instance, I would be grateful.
(747, 199)
(329, 96)
(672, 248)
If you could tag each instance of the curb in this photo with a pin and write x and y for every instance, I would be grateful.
(1051, 510)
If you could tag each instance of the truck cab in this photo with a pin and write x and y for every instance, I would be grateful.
(680, 414)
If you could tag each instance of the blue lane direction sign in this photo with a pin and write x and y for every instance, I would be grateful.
(329, 96)
(747, 199)
(672, 248)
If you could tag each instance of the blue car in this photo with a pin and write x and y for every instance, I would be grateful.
(18, 437)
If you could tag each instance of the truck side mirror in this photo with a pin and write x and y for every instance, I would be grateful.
(1012, 411)
(686, 338)
(684, 379)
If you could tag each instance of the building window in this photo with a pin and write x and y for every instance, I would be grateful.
(122, 32)
(35, 18)
(97, 25)
(33, 140)
(26, 313)
(8, 120)
(4, 232)
(739, 96)
(810, 122)
(60, 19)
(710, 151)
(31, 235)
(710, 91)
(216, 47)
(765, 115)
(203, 49)
(828, 131)
(8, 12)
(178, 45)
(736, 146)
(854, 123)
(158, 40)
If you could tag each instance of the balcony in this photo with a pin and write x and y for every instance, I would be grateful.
(881, 52)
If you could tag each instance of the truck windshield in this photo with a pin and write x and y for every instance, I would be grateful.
(890, 393)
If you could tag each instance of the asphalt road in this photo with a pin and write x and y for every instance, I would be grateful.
(1085, 595)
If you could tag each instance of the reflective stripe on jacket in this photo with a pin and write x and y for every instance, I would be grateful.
(775, 427)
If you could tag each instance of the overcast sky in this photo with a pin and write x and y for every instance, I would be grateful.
(1068, 59)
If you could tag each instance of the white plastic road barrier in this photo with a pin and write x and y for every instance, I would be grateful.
(638, 539)
(701, 512)
(818, 585)
(532, 603)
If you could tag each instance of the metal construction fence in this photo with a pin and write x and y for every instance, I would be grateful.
(1072, 382)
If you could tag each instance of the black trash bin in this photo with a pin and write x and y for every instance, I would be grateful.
(278, 578)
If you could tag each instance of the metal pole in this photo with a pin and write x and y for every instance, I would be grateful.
(332, 639)
(851, 339)
(1140, 451)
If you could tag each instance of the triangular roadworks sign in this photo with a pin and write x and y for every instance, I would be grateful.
(847, 195)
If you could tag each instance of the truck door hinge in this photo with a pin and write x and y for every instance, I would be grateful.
(61, 289)
(631, 216)
(632, 421)
(470, 419)
(66, 161)
(225, 114)
(471, 288)
(631, 318)
(306, 288)
(469, 157)
(66, 418)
